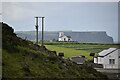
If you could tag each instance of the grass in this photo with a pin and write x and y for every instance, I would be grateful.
(68, 52)
(88, 46)
(71, 50)
(22, 65)
(21, 62)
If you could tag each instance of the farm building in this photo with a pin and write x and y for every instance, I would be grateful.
(63, 37)
(78, 60)
(110, 58)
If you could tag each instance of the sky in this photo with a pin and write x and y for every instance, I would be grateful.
(63, 16)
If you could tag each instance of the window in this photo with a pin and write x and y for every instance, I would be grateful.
(64, 39)
(111, 61)
(68, 39)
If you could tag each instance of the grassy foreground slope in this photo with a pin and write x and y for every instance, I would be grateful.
(23, 59)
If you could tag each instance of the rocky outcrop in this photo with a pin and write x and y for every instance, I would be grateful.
(10, 41)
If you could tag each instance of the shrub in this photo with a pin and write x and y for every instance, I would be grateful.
(52, 58)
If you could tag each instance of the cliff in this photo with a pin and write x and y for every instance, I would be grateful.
(83, 37)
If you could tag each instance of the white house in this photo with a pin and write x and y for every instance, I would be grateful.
(110, 58)
(63, 37)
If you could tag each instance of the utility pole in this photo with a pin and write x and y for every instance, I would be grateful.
(36, 30)
(42, 30)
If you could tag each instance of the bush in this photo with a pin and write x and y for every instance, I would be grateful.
(53, 58)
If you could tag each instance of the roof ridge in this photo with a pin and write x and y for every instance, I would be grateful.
(110, 52)
(107, 53)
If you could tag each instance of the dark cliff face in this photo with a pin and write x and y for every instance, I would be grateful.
(84, 37)
(91, 37)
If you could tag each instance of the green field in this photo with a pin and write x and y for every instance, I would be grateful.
(71, 49)
(69, 52)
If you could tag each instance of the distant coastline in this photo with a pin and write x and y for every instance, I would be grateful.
(80, 36)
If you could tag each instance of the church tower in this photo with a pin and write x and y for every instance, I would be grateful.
(61, 34)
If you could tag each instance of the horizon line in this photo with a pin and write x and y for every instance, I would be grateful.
(65, 30)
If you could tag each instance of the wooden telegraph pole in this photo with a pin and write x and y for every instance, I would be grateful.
(36, 30)
(42, 30)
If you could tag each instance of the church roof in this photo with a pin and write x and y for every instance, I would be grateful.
(60, 36)
(69, 36)
(66, 36)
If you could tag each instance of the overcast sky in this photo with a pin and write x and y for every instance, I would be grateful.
(60, 16)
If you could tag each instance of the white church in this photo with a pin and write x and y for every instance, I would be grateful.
(110, 58)
(63, 37)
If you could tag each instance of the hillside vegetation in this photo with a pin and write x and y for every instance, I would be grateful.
(23, 59)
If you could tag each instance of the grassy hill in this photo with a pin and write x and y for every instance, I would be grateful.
(23, 59)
